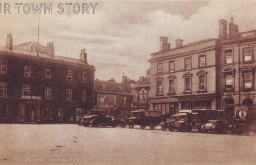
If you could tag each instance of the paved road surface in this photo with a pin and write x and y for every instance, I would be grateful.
(69, 144)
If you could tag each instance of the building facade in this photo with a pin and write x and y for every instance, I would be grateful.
(38, 86)
(237, 62)
(141, 92)
(114, 97)
(184, 77)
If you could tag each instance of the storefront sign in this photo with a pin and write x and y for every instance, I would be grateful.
(31, 97)
(196, 98)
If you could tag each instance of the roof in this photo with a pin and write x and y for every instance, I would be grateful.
(112, 87)
(33, 43)
(26, 53)
(144, 83)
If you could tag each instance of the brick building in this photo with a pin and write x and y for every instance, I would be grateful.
(237, 64)
(115, 97)
(38, 86)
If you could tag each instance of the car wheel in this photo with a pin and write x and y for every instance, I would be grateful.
(171, 128)
(181, 128)
(131, 124)
(85, 124)
(95, 123)
(163, 127)
(143, 126)
(152, 126)
(123, 124)
(80, 122)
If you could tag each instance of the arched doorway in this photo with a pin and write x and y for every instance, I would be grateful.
(229, 107)
(247, 102)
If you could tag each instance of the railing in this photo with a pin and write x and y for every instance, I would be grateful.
(239, 36)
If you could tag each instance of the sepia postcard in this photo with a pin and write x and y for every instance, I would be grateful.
(127, 82)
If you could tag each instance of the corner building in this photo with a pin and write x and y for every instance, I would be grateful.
(237, 62)
(184, 77)
(38, 86)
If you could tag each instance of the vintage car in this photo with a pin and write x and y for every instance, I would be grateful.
(180, 121)
(240, 122)
(144, 118)
(98, 117)
(217, 122)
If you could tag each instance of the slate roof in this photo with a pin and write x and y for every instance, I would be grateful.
(21, 52)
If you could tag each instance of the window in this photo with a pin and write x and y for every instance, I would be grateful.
(171, 87)
(228, 57)
(84, 77)
(116, 100)
(102, 99)
(248, 80)
(125, 100)
(103, 87)
(70, 73)
(47, 112)
(26, 90)
(27, 71)
(3, 67)
(84, 95)
(48, 93)
(3, 89)
(202, 61)
(188, 63)
(247, 52)
(160, 68)
(187, 84)
(202, 83)
(171, 66)
(48, 74)
(69, 95)
(229, 82)
(159, 88)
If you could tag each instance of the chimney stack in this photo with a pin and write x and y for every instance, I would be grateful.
(222, 28)
(179, 43)
(164, 45)
(142, 79)
(124, 79)
(51, 49)
(233, 28)
(83, 56)
(9, 41)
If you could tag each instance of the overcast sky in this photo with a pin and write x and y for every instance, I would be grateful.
(120, 36)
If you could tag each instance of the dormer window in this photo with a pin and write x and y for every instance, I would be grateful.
(70, 74)
(27, 71)
(103, 87)
(3, 67)
(48, 74)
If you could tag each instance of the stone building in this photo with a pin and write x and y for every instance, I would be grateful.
(237, 64)
(184, 77)
(115, 97)
(38, 86)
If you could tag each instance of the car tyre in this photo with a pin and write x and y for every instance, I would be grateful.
(152, 126)
(85, 124)
(131, 124)
(123, 124)
(171, 128)
(163, 126)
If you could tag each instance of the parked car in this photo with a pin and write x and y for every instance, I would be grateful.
(217, 124)
(144, 118)
(180, 121)
(98, 117)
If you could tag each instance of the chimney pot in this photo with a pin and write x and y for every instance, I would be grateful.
(179, 43)
(83, 56)
(9, 41)
(163, 44)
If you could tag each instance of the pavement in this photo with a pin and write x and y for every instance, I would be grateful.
(68, 144)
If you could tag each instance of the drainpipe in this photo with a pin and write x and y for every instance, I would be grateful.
(239, 74)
